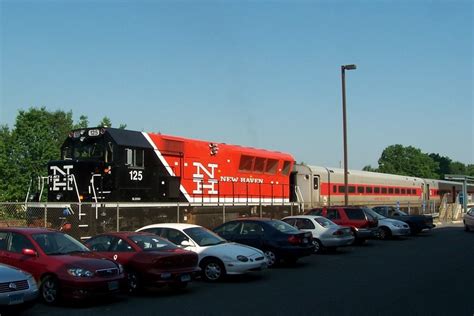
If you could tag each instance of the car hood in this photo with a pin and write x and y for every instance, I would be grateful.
(86, 260)
(11, 274)
(232, 249)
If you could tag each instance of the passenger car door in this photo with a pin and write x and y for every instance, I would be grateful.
(15, 256)
(333, 214)
(101, 245)
(306, 225)
(229, 230)
(251, 234)
(121, 251)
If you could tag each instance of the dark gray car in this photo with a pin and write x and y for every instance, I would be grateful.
(17, 288)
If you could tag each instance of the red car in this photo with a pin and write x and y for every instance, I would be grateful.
(148, 259)
(63, 267)
(362, 224)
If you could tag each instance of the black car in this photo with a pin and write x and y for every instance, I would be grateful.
(417, 223)
(277, 239)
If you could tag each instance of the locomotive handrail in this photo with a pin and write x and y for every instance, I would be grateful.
(299, 196)
(95, 195)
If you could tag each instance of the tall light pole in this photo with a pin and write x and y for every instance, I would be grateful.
(344, 127)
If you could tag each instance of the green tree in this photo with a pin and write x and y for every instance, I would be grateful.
(83, 122)
(5, 137)
(369, 168)
(457, 167)
(106, 122)
(470, 170)
(410, 161)
(444, 165)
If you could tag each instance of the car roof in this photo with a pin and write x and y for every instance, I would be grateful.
(306, 216)
(28, 230)
(170, 225)
(124, 234)
(255, 219)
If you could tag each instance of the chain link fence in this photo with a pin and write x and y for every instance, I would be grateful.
(87, 219)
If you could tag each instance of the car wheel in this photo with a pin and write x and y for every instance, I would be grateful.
(133, 282)
(271, 257)
(50, 290)
(317, 246)
(212, 270)
(384, 233)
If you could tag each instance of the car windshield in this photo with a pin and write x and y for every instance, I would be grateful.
(324, 222)
(204, 237)
(401, 212)
(373, 213)
(282, 226)
(151, 243)
(55, 243)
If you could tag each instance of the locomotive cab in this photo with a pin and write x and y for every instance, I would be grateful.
(107, 164)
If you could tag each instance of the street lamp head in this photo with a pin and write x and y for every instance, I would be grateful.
(349, 67)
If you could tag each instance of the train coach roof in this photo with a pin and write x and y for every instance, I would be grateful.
(128, 138)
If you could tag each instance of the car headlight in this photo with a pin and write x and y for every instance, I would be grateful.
(32, 282)
(397, 225)
(242, 258)
(80, 273)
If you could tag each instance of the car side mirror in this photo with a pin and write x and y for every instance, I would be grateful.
(185, 243)
(29, 252)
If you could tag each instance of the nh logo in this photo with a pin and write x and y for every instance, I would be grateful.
(202, 184)
(61, 179)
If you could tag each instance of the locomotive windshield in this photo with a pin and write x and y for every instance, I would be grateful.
(87, 148)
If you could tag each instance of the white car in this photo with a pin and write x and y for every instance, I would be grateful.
(469, 220)
(217, 256)
(326, 233)
(389, 227)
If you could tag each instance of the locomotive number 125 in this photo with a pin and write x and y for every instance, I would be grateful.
(136, 175)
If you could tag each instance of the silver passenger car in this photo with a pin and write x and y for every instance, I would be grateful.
(326, 233)
(17, 288)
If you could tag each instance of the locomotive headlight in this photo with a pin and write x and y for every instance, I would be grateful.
(59, 196)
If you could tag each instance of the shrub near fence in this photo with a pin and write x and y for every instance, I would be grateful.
(12, 214)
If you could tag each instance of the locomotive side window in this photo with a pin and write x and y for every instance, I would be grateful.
(377, 190)
(272, 165)
(246, 163)
(135, 158)
(286, 168)
(259, 164)
(384, 190)
(67, 153)
(368, 190)
(360, 189)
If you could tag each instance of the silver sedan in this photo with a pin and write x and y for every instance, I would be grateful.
(17, 288)
(326, 233)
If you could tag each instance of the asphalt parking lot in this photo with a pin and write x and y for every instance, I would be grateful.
(430, 274)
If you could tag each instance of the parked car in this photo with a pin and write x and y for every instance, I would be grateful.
(18, 289)
(63, 267)
(468, 220)
(417, 223)
(363, 225)
(277, 239)
(217, 257)
(326, 233)
(388, 227)
(148, 259)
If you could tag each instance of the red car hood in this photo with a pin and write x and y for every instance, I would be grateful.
(86, 260)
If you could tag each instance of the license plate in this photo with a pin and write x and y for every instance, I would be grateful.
(166, 275)
(185, 278)
(16, 299)
(305, 240)
(113, 285)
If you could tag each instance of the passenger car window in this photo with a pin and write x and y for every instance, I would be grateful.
(303, 223)
(332, 214)
(156, 231)
(355, 213)
(291, 221)
(20, 242)
(175, 236)
(121, 246)
(251, 229)
(100, 243)
(3, 240)
(229, 228)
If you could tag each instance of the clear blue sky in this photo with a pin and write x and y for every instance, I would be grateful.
(255, 73)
